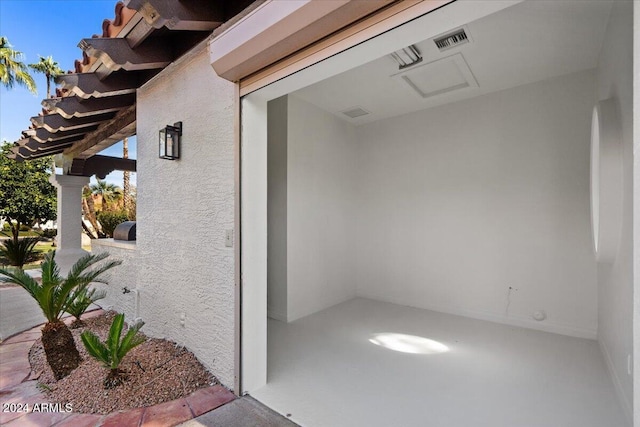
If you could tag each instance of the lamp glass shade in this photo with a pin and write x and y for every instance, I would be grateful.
(169, 142)
(162, 143)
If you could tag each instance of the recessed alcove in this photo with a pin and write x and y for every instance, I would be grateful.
(606, 180)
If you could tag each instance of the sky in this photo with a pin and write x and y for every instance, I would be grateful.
(49, 28)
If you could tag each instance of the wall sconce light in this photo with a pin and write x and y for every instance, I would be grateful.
(169, 141)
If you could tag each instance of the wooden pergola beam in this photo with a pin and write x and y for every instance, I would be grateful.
(30, 149)
(101, 166)
(88, 85)
(33, 146)
(192, 15)
(43, 135)
(56, 123)
(107, 134)
(116, 54)
(72, 106)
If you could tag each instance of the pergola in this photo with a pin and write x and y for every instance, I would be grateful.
(95, 105)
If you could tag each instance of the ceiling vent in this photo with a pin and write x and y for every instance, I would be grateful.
(355, 112)
(438, 77)
(452, 39)
(406, 57)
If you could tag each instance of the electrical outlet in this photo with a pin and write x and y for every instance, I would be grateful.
(228, 239)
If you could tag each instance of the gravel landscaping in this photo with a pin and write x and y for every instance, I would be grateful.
(157, 371)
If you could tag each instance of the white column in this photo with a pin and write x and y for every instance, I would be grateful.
(69, 239)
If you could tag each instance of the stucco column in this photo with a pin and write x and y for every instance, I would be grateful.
(69, 239)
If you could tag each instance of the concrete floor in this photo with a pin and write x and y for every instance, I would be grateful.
(342, 367)
(243, 412)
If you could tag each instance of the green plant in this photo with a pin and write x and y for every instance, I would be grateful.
(25, 227)
(26, 195)
(43, 387)
(19, 252)
(54, 295)
(111, 219)
(82, 299)
(112, 351)
(49, 233)
(6, 227)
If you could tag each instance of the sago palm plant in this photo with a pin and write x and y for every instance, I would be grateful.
(54, 296)
(113, 350)
(82, 299)
(19, 252)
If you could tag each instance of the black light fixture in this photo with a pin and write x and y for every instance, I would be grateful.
(169, 141)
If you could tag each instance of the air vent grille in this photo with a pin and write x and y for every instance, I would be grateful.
(355, 112)
(450, 40)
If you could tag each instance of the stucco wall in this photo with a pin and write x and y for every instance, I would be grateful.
(125, 275)
(461, 202)
(615, 280)
(185, 272)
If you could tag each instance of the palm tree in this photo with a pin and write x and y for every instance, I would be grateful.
(110, 193)
(89, 212)
(49, 68)
(12, 69)
(54, 295)
(126, 178)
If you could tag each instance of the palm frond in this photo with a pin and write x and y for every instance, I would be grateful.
(56, 294)
(113, 339)
(20, 278)
(19, 252)
(130, 340)
(96, 348)
(113, 350)
(93, 275)
(50, 269)
(82, 299)
(84, 263)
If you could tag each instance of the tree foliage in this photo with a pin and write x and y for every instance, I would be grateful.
(111, 194)
(83, 299)
(12, 70)
(26, 195)
(19, 252)
(49, 68)
(111, 219)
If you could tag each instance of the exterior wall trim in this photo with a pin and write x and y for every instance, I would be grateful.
(382, 21)
(275, 29)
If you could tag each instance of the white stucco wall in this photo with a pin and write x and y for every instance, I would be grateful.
(185, 272)
(615, 281)
(125, 275)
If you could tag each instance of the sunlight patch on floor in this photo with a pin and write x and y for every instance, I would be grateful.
(408, 343)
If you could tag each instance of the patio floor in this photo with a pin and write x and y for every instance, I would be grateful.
(372, 363)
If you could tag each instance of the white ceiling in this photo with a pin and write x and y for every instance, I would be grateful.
(528, 42)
